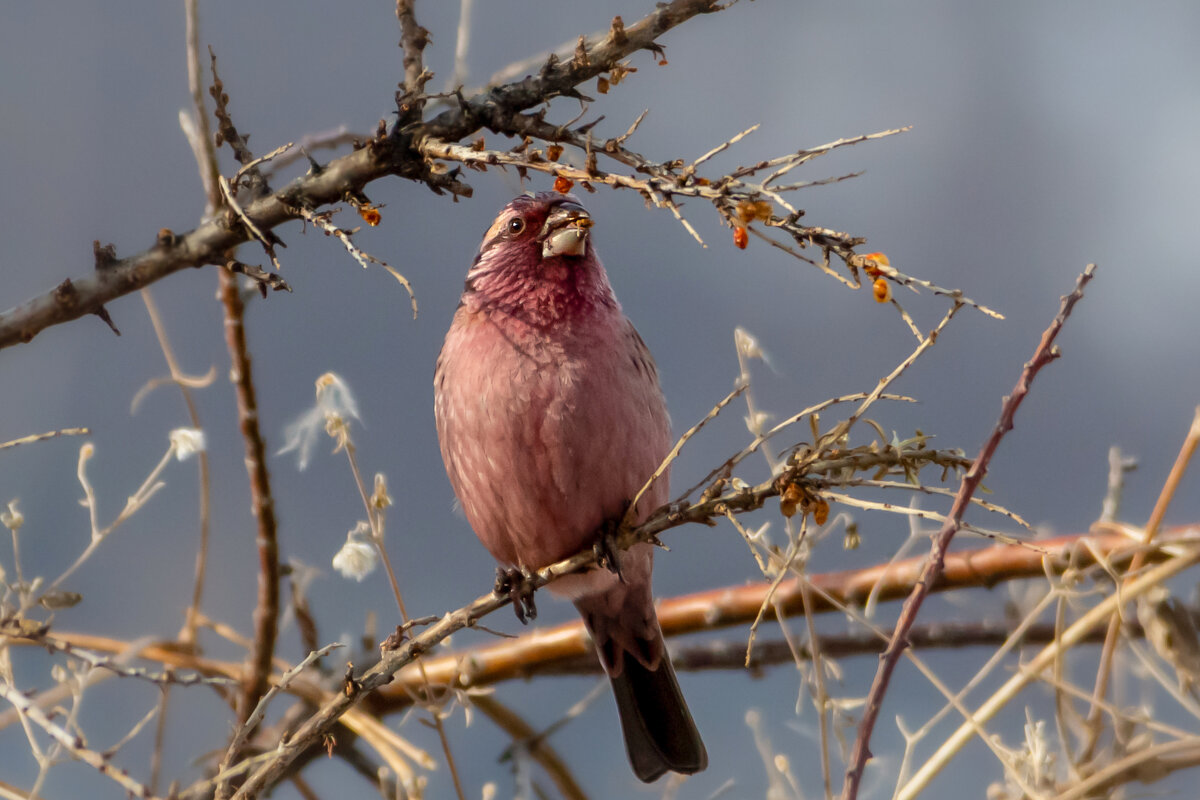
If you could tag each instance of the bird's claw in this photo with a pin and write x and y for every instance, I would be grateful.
(517, 586)
(608, 554)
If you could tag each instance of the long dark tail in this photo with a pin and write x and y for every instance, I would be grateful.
(659, 732)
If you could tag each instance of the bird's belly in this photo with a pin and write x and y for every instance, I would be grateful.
(543, 450)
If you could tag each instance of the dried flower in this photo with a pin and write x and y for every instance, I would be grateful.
(358, 557)
(853, 538)
(12, 518)
(186, 442)
(335, 406)
(756, 422)
(746, 344)
(380, 497)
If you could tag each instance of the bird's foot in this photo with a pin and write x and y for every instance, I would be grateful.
(517, 586)
(608, 553)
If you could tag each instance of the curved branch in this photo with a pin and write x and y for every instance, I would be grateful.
(554, 650)
(560, 648)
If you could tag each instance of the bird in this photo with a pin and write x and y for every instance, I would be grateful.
(550, 419)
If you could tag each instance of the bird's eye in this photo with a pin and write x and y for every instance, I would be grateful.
(516, 225)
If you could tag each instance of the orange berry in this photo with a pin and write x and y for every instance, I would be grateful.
(790, 499)
(873, 262)
(883, 290)
(740, 237)
(370, 215)
(820, 511)
(563, 185)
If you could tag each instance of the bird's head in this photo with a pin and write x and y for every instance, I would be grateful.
(539, 253)
(546, 225)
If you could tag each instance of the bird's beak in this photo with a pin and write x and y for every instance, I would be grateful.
(566, 231)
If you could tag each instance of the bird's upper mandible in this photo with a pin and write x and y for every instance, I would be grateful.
(565, 232)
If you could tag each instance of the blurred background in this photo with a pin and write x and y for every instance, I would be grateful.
(1044, 137)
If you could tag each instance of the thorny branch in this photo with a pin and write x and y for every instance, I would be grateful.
(394, 153)
(416, 148)
(255, 678)
(414, 39)
(266, 609)
(740, 202)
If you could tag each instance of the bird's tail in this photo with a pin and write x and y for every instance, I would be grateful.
(659, 732)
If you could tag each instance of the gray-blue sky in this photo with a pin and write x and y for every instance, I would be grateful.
(1044, 136)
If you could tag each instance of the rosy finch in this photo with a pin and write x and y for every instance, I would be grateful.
(550, 419)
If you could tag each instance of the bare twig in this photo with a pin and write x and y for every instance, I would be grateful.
(254, 718)
(413, 38)
(462, 45)
(73, 744)
(374, 507)
(1030, 670)
(117, 667)
(1044, 354)
(266, 610)
(1144, 765)
(203, 148)
(631, 512)
(363, 258)
(188, 634)
(41, 437)
(1118, 465)
(1157, 514)
(539, 747)
(230, 200)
